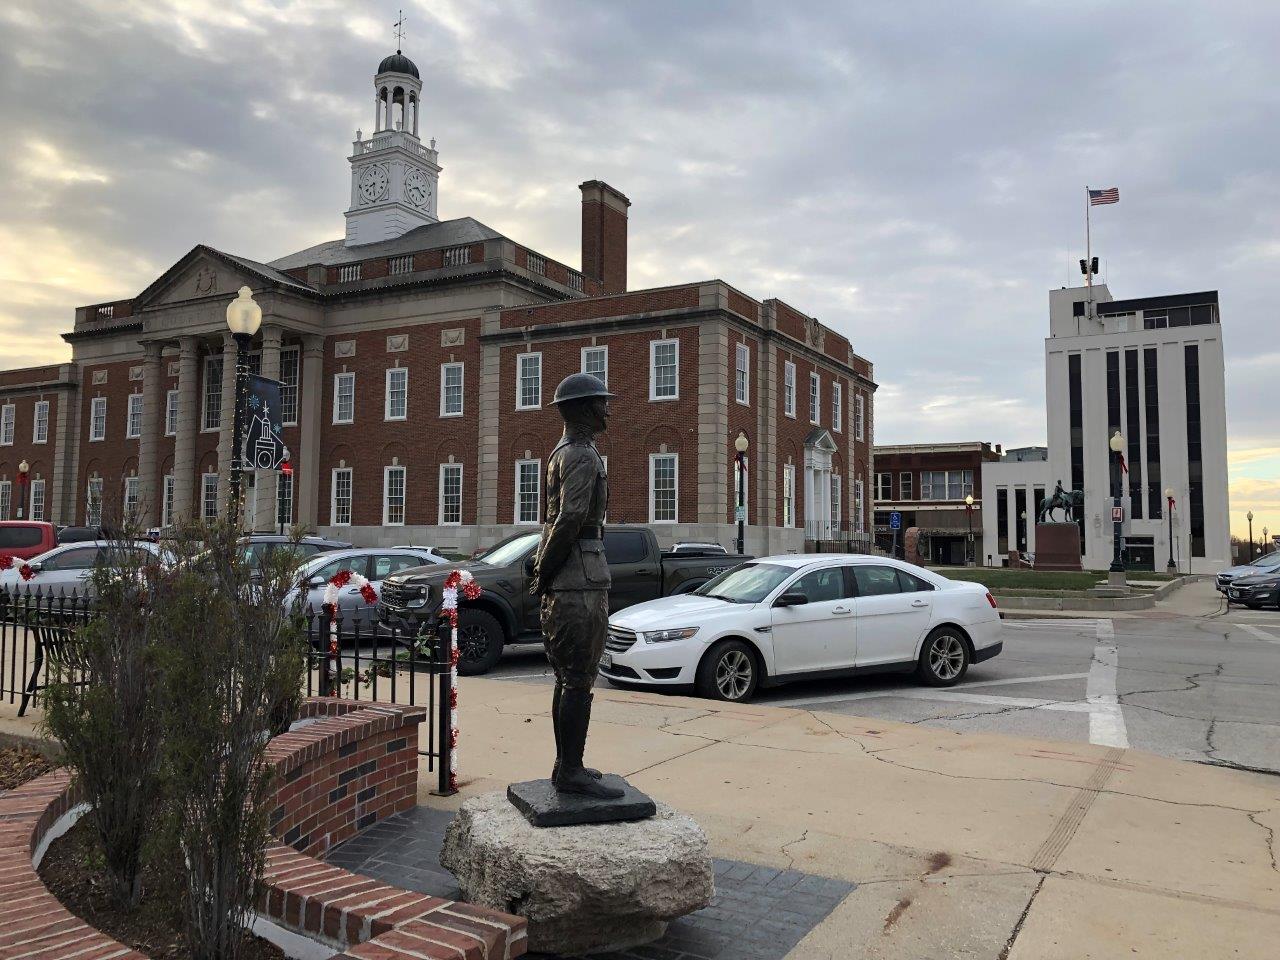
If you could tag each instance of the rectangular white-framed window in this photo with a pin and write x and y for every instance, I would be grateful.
(98, 419)
(664, 476)
(37, 500)
(131, 499)
(340, 497)
(859, 410)
(528, 477)
(837, 406)
(397, 402)
(815, 397)
(93, 503)
(171, 413)
(211, 417)
(595, 361)
(393, 483)
(837, 485)
(166, 505)
(788, 495)
(209, 496)
(40, 427)
(905, 491)
(883, 486)
(451, 494)
(742, 374)
(451, 377)
(528, 381)
(284, 500)
(344, 398)
(858, 523)
(289, 361)
(789, 388)
(133, 417)
(6, 499)
(8, 417)
(664, 369)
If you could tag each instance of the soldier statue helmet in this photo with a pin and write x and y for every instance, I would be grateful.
(572, 578)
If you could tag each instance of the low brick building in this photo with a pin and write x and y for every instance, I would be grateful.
(419, 357)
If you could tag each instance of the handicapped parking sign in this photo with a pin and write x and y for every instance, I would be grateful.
(895, 520)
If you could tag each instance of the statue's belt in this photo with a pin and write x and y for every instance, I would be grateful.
(591, 533)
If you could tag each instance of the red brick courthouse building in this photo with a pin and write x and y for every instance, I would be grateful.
(419, 357)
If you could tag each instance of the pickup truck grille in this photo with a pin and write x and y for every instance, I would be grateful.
(397, 595)
(619, 640)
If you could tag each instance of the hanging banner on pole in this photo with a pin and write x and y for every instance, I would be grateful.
(263, 444)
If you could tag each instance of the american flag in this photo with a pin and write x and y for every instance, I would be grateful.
(1109, 195)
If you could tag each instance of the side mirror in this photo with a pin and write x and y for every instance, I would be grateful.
(36, 567)
(315, 583)
(791, 600)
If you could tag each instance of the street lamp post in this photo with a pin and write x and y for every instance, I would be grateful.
(24, 469)
(1117, 578)
(1249, 516)
(1168, 496)
(1264, 536)
(244, 316)
(968, 547)
(740, 445)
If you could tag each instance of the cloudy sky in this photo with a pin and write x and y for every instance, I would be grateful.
(911, 173)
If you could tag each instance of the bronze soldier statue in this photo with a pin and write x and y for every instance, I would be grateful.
(572, 577)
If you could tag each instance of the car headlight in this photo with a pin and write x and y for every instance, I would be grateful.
(419, 598)
(665, 636)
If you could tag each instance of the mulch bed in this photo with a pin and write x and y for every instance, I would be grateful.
(20, 764)
(74, 872)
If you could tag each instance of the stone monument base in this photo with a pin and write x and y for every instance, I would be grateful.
(1057, 546)
(544, 806)
(584, 889)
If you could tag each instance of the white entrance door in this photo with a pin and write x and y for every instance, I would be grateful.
(820, 634)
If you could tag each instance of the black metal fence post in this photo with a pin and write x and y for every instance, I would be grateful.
(443, 664)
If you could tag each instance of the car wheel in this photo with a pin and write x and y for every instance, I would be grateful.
(729, 672)
(480, 641)
(944, 660)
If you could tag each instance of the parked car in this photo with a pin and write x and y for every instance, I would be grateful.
(1262, 564)
(81, 534)
(1257, 589)
(69, 567)
(24, 539)
(697, 546)
(259, 545)
(373, 563)
(507, 613)
(796, 617)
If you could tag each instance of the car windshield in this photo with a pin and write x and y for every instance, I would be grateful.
(509, 551)
(749, 583)
(1270, 560)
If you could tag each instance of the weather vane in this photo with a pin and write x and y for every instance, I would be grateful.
(399, 25)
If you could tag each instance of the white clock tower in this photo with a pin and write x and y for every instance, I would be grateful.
(393, 176)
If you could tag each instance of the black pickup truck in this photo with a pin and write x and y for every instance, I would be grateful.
(507, 613)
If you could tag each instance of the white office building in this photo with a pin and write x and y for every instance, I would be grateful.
(1151, 368)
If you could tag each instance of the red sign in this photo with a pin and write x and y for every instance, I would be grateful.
(1117, 514)
(287, 468)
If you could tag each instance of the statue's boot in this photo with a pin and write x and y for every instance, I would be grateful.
(572, 777)
(555, 724)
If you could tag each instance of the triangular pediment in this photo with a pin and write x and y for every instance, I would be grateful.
(820, 438)
(206, 273)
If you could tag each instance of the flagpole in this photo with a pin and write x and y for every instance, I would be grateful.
(1088, 252)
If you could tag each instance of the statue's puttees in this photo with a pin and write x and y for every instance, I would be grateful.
(572, 578)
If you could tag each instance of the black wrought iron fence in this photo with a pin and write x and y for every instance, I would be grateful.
(354, 658)
(34, 626)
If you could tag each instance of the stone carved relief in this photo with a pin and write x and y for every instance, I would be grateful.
(135, 373)
(344, 348)
(206, 280)
(99, 377)
(454, 337)
(814, 333)
(399, 343)
(173, 368)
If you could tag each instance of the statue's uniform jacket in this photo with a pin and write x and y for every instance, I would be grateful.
(571, 562)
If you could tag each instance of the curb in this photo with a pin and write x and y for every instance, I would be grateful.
(1092, 604)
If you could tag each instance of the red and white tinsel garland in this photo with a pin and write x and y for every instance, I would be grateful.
(329, 605)
(458, 580)
(25, 571)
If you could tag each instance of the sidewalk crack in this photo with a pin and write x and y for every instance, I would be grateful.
(1271, 839)
(1017, 927)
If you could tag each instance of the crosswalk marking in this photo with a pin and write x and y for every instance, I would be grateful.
(1106, 720)
(1258, 632)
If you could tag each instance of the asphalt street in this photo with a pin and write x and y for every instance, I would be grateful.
(1202, 688)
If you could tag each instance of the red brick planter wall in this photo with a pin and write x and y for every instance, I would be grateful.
(355, 765)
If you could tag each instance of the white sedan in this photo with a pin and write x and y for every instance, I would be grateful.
(798, 617)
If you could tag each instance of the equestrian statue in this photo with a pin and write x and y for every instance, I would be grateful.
(1070, 502)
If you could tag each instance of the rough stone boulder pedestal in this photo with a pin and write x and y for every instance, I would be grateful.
(597, 887)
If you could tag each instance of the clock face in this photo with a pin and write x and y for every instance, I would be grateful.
(417, 188)
(373, 184)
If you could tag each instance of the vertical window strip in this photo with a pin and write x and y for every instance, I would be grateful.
(836, 491)
(393, 484)
(40, 429)
(788, 495)
(93, 502)
(209, 496)
(663, 501)
(1151, 398)
(8, 417)
(166, 509)
(284, 500)
(1075, 404)
(1195, 460)
(859, 524)
(451, 389)
(450, 494)
(397, 405)
(528, 381)
(133, 417)
(340, 498)
(6, 498)
(130, 499)
(859, 416)
(1133, 432)
(837, 409)
(37, 500)
(815, 397)
(789, 389)
(212, 419)
(171, 413)
(741, 374)
(528, 491)
(664, 369)
(98, 418)
(289, 362)
(344, 397)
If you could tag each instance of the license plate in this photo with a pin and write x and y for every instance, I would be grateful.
(1235, 594)
(606, 661)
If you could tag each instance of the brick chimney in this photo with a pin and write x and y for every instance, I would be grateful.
(604, 235)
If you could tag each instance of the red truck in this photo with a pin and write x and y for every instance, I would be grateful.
(24, 539)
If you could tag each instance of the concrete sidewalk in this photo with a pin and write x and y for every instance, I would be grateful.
(1198, 599)
(961, 845)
